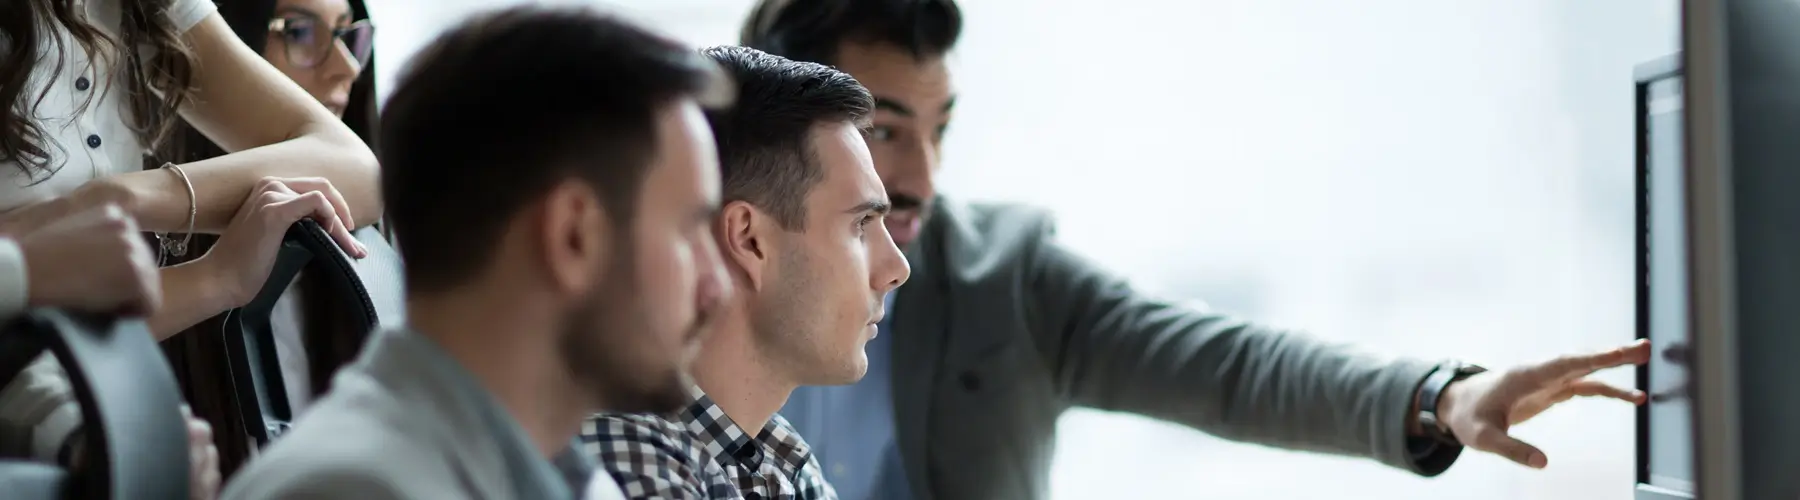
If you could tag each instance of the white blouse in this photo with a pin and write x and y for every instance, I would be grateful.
(84, 143)
(91, 142)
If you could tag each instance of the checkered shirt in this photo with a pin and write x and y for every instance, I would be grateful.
(699, 453)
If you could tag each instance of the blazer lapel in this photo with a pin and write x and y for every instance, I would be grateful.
(920, 325)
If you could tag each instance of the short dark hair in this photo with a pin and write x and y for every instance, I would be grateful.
(497, 111)
(765, 155)
(810, 30)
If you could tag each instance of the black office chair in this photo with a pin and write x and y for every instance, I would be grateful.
(135, 441)
(369, 291)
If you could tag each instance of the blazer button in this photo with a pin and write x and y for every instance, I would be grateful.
(970, 381)
(82, 83)
(93, 141)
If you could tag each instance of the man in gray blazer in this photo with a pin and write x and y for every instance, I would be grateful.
(551, 179)
(1000, 328)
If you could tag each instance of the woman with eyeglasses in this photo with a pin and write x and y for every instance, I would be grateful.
(88, 124)
(325, 46)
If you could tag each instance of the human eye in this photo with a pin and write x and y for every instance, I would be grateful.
(881, 133)
(862, 225)
(300, 32)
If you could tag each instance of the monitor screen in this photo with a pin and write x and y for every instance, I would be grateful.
(1665, 434)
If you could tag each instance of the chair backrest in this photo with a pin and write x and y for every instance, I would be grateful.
(369, 295)
(135, 441)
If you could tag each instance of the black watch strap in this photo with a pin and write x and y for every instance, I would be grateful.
(1432, 390)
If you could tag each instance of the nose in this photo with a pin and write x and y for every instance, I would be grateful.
(910, 173)
(340, 65)
(906, 173)
(888, 268)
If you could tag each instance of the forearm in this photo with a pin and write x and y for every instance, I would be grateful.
(160, 201)
(1250, 383)
(190, 295)
(1299, 392)
(1117, 349)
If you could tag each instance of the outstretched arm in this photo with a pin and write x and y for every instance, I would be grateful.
(1116, 349)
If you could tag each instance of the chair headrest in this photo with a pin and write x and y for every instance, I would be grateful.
(374, 281)
(371, 294)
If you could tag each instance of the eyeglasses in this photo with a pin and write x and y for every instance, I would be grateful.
(309, 40)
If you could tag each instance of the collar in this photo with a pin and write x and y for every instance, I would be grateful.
(417, 365)
(722, 438)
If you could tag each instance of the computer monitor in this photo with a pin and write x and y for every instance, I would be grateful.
(1665, 464)
(1741, 86)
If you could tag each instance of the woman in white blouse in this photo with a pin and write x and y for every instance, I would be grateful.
(86, 114)
(325, 46)
(83, 119)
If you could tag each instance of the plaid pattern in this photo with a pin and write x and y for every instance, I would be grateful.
(699, 453)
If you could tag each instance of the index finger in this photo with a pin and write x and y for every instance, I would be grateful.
(314, 204)
(1580, 365)
(342, 208)
(332, 195)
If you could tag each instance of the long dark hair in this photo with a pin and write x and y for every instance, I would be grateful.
(155, 87)
(199, 353)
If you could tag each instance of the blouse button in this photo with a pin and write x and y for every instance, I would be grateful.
(93, 141)
(82, 83)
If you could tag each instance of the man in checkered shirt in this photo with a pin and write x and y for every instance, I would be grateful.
(801, 231)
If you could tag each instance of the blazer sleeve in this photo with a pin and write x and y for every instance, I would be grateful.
(1113, 348)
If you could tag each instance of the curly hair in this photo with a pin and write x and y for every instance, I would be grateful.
(157, 81)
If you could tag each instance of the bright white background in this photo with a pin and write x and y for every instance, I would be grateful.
(1440, 178)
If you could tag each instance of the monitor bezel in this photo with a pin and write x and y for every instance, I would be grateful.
(1645, 76)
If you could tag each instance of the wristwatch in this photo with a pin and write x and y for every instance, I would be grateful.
(1432, 390)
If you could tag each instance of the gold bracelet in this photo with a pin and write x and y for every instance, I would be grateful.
(171, 246)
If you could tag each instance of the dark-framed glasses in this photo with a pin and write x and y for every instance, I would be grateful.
(309, 40)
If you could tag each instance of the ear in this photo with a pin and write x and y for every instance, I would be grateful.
(572, 236)
(744, 241)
